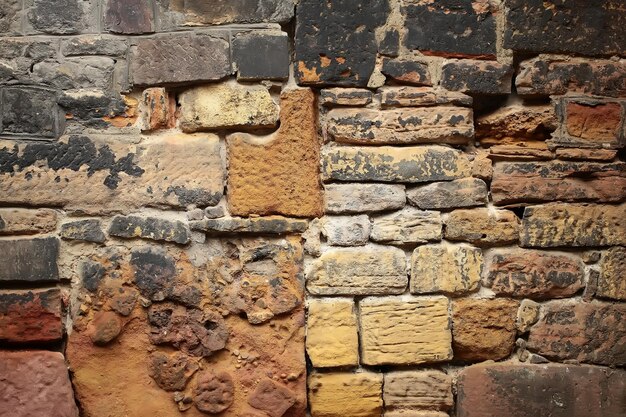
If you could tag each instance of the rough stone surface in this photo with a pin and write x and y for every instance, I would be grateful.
(534, 274)
(346, 230)
(128, 17)
(518, 390)
(446, 269)
(26, 221)
(341, 51)
(331, 394)
(29, 111)
(30, 316)
(465, 192)
(483, 329)
(359, 198)
(332, 338)
(402, 126)
(483, 226)
(578, 27)
(272, 398)
(237, 11)
(30, 260)
(586, 332)
(179, 59)
(404, 331)
(527, 315)
(407, 226)
(576, 154)
(76, 73)
(611, 283)
(10, 20)
(516, 123)
(157, 109)
(345, 97)
(477, 77)
(94, 45)
(556, 225)
(227, 106)
(273, 225)
(35, 383)
(89, 230)
(277, 174)
(370, 270)
(421, 96)
(407, 72)
(149, 228)
(60, 17)
(431, 390)
(261, 55)
(533, 182)
(387, 164)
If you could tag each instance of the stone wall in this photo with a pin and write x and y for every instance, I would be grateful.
(385, 208)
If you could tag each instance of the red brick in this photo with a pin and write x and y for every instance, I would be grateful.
(30, 316)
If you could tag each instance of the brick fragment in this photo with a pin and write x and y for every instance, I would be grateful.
(30, 260)
(30, 316)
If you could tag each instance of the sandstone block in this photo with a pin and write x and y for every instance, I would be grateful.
(179, 59)
(30, 260)
(76, 73)
(274, 225)
(237, 11)
(582, 391)
(157, 109)
(516, 125)
(483, 227)
(421, 96)
(61, 17)
(26, 221)
(534, 274)
(129, 17)
(389, 164)
(30, 316)
(401, 126)
(346, 231)
(416, 390)
(407, 226)
(611, 283)
(415, 413)
(36, 383)
(345, 97)
(404, 331)
(586, 332)
(527, 315)
(576, 154)
(94, 45)
(465, 192)
(359, 198)
(149, 228)
(334, 394)
(89, 230)
(482, 166)
(332, 338)
(446, 269)
(483, 329)
(261, 55)
(30, 112)
(557, 225)
(369, 270)
(477, 77)
(407, 72)
(279, 173)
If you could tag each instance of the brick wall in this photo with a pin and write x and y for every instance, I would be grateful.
(385, 208)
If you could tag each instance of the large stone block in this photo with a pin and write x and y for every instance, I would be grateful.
(477, 77)
(465, 192)
(267, 225)
(401, 126)
(418, 390)
(360, 198)
(76, 73)
(152, 228)
(346, 230)
(611, 283)
(586, 332)
(129, 16)
(404, 330)
(335, 41)
(421, 96)
(389, 164)
(470, 28)
(30, 260)
(35, 383)
(180, 58)
(407, 72)
(534, 274)
(279, 173)
(559, 225)
(25, 221)
(261, 55)
(335, 394)
(61, 17)
(10, 20)
(576, 27)
(407, 226)
(111, 175)
(482, 226)
(227, 106)
(331, 336)
(31, 316)
(446, 269)
(533, 182)
(556, 390)
(369, 270)
(30, 112)
(236, 11)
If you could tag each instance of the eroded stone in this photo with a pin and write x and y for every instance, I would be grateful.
(26, 221)
(483, 226)
(611, 283)
(407, 226)
(360, 198)
(465, 192)
(331, 394)
(30, 316)
(30, 260)
(415, 390)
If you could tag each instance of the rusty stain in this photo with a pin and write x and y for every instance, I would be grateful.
(310, 75)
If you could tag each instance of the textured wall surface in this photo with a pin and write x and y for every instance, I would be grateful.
(341, 208)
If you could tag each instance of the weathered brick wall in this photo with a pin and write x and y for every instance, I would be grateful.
(256, 208)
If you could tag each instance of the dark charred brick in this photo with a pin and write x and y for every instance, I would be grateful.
(335, 42)
(91, 274)
(390, 44)
(452, 28)
(345, 97)
(128, 16)
(59, 17)
(180, 58)
(30, 260)
(555, 390)
(261, 55)
(238, 11)
(94, 45)
(275, 225)
(585, 332)
(477, 77)
(545, 77)
(575, 26)
(91, 108)
(89, 230)
(407, 72)
(30, 112)
(154, 272)
(30, 316)
(149, 228)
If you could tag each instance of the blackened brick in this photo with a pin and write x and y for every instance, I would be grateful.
(29, 111)
(261, 55)
(29, 260)
(407, 72)
(477, 77)
(30, 316)
(128, 16)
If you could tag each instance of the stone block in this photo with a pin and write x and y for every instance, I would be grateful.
(407, 226)
(611, 283)
(157, 109)
(94, 45)
(236, 11)
(483, 226)
(273, 225)
(345, 97)
(417, 390)
(360, 198)
(149, 228)
(261, 55)
(89, 230)
(332, 338)
(406, 72)
(61, 17)
(128, 17)
(27, 221)
(75, 73)
(332, 394)
(465, 192)
(346, 230)
(477, 77)
(31, 316)
(30, 260)
(28, 111)
(10, 21)
(421, 96)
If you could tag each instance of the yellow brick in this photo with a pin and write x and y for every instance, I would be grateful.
(345, 394)
(332, 333)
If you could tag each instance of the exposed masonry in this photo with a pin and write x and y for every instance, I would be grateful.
(384, 208)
